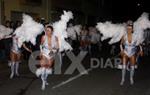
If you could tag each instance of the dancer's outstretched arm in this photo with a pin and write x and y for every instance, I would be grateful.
(26, 48)
(6, 37)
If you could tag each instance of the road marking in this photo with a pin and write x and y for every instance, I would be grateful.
(72, 78)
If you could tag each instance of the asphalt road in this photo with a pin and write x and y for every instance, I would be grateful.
(97, 82)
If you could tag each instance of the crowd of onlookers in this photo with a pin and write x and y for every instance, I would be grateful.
(88, 39)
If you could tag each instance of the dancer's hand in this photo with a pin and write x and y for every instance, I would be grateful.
(141, 53)
(26, 48)
(30, 51)
(55, 50)
(122, 53)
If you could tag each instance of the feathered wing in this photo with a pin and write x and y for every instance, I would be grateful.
(28, 31)
(4, 31)
(77, 29)
(60, 31)
(140, 25)
(110, 30)
(73, 30)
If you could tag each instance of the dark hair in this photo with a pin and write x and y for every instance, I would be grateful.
(130, 23)
(50, 27)
(7, 23)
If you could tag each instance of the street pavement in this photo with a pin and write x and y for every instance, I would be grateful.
(98, 81)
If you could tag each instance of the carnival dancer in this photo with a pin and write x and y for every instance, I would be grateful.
(132, 35)
(128, 53)
(15, 56)
(48, 48)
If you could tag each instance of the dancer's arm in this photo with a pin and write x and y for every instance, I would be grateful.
(57, 42)
(57, 45)
(41, 44)
(121, 46)
(141, 50)
(9, 36)
(26, 48)
(6, 37)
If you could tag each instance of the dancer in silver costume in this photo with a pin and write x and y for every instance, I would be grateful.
(15, 56)
(48, 48)
(129, 52)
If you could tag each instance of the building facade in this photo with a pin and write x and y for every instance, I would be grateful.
(85, 11)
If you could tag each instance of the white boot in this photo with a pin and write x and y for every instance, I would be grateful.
(12, 70)
(46, 75)
(132, 75)
(123, 74)
(16, 69)
(43, 85)
(43, 79)
(48, 71)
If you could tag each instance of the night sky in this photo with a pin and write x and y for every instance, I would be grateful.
(124, 9)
